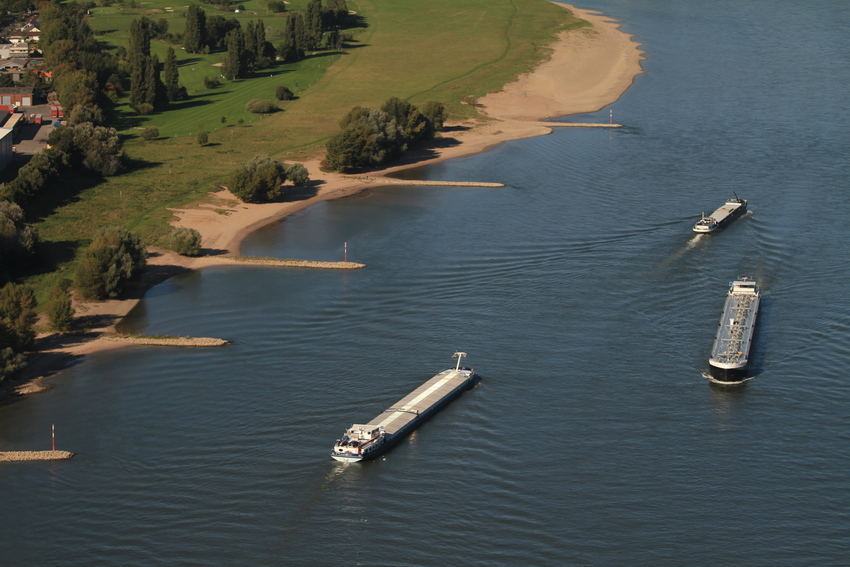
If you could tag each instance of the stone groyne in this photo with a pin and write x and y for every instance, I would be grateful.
(579, 125)
(289, 263)
(394, 181)
(164, 341)
(10, 456)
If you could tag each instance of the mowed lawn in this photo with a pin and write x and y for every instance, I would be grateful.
(446, 50)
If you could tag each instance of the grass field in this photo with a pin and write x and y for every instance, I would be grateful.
(446, 50)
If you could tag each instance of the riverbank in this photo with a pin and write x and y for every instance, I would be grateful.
(589, 69)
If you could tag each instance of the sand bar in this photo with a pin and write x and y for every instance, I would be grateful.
(589, 69)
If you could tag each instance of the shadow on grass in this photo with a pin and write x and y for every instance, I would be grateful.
(56, 195)
(349, 45)
(355, 21)
(55, 253)
(189, 61)
(140, 164)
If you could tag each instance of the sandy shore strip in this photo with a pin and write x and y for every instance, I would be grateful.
(589, 69)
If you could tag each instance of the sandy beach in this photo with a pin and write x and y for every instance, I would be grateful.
(589, 69)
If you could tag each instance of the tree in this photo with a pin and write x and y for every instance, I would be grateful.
(59, 310)
(115, 256)
(17, 316)
(313, 25)
(334, 14)
(76, 88)
(415, 125)
(150, 133)
(185, 241)
(258, 180)
(194, 37)
(368, 137)
(97, 148)
(436, 113)
(172, 76)
(276, 6)
(202, 138)
(283, 93)
(289, 50)
(140, 37)
(17, 240)
(235, 63)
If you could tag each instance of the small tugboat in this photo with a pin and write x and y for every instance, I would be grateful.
(361, 442)
(731, 210)
(730, 355)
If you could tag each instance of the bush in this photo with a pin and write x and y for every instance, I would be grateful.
(257, 180)
(185, 241)
(297, 173)
(260, 106)
(58, 308)
(283, 93)
(202, 138)
(150, 133)
(115, 256)
(276, 6)
(211, 82)
(144, 108)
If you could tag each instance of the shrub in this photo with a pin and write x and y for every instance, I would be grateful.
(144, 108)
(58, 308)
(283, 93)
(276, 6)
(150, 133)
(260, 106)
(185, 241)
(202, 138)
(114, 257)
(297, 173)
(211, 82)
(257, 180)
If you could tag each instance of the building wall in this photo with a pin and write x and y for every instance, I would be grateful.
(5, 148)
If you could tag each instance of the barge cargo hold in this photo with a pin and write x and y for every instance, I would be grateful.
(731, 210)
(361, 442)
(730, 355)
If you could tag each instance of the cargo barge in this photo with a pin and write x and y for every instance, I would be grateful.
(730, 355)
(361, 442)
(719, 219)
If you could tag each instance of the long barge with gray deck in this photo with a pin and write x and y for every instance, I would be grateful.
(731, 351)
(733, 208)
(366, 441)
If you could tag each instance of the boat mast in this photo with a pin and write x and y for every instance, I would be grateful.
(459, 356)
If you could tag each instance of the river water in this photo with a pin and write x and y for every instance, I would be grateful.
(584, 301)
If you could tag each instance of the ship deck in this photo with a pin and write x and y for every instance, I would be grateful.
(720, 214)
(419, 401)
(732, 345)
